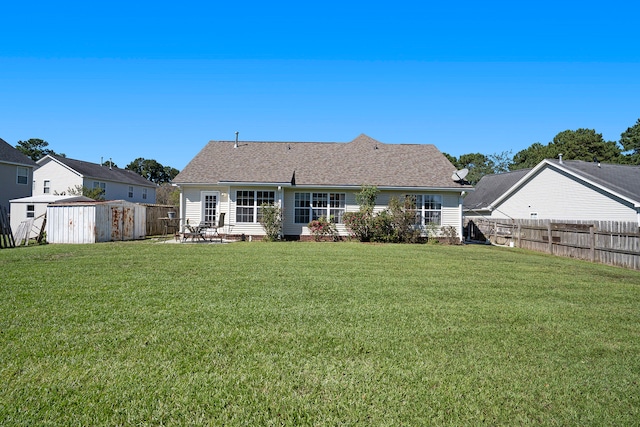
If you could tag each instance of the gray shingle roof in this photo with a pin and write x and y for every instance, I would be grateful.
(363, 161)
(490, 187)
(96, 171)
(621, 179)
(9, 154)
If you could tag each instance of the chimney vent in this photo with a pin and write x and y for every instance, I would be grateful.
(560, 157)
(236, 144)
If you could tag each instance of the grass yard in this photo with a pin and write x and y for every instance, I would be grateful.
(258, 333)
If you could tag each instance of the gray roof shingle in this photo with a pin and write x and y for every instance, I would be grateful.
(621, 179)
(363, 161)
(490, 187)
(9, 154)
(96, 171)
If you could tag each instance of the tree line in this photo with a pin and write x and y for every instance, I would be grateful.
(580, 144)
(150, 169)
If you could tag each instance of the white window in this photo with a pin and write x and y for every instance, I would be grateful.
(100, 185)
(428, 209)
(31, 211)
(47, 186)
(23, 175)
(131, 191)
(144, 194)
(533, 215)
(310, 206)
(209, 206)
(249, 204)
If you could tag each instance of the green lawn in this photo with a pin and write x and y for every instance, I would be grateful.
(142, 333)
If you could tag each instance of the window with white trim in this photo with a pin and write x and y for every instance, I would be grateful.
(131, 191)
(47, 186)
(31, 211)
(249, 204)
(311, 206)
(144, 193)
(23, 175)
(428, 209)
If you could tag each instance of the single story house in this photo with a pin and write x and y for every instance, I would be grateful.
(57, 175)
(34, 207)
(309, 180)
(559, 190)
(16, 174)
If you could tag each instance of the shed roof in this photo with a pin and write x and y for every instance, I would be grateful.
(363, 161)
(51, 198)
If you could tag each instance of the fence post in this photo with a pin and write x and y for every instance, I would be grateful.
(519, 233)
(550, 237)
(592, 243)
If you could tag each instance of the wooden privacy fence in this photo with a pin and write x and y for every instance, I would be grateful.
(606, 242)
(155, 226)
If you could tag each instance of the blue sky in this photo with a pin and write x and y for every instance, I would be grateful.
(160, 79)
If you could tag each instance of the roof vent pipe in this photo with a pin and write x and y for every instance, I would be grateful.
(236, 144)
(560, 157)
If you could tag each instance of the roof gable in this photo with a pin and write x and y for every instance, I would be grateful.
(491, 187)
(9, 154)
(363, 161)
(619, 180)
(99, 172)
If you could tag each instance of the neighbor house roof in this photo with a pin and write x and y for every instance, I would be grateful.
(490, 187)
(363, 161)
(624, 180)
(96, 171)
(9, 154)
(620, 180)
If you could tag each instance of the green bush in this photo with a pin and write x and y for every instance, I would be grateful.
(321, 228)
(271, 221)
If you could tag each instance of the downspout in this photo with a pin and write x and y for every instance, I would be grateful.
(461, 210)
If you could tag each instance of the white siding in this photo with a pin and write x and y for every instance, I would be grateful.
(191, 199)
(554, 195)
(60, 179)
(120, 191)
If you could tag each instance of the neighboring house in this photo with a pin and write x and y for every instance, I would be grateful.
(34, 207)
(311, 180)
(559, 190)
(16, 174)
(56, 175)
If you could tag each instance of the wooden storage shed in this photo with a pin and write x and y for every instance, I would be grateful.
(92, 222)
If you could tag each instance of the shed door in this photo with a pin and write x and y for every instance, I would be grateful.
(116, 223)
